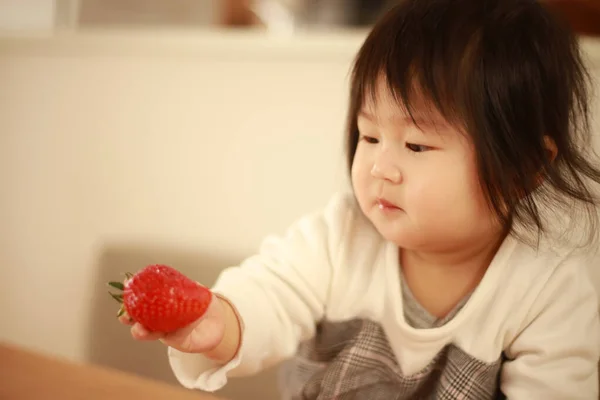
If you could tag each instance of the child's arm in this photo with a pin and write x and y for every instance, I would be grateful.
(556, 355)
(278, 294)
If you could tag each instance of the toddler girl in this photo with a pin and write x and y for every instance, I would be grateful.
(439, 276)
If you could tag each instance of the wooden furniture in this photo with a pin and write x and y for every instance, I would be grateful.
(27, 375)
(582, 15)
(237, 13)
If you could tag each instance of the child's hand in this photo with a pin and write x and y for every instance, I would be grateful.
(201, 336)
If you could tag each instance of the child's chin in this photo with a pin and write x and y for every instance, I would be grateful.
(396, 234)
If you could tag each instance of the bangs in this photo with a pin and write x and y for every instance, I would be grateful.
(424, 71)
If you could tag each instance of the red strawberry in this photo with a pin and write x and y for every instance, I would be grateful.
(161, 298)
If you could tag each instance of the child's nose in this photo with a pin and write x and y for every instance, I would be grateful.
(384, 168)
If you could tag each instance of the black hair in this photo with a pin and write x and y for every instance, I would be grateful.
(511, 75)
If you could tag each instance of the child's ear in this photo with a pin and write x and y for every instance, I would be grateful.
(551, 148)
(552, 152)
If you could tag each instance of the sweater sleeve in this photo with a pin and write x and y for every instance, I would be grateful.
(556, 354)
(279, 294)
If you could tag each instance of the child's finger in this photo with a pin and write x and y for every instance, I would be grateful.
(125, 319)
(140, 333)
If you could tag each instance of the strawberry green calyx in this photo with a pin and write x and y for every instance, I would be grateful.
(119, 297)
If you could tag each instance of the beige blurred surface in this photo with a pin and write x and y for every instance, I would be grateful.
(122, 149)
(55, 377)
(148, 12)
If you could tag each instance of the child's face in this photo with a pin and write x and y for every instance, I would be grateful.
(428, 173)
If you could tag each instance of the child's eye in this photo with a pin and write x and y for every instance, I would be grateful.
(369, 139)
(417, 148)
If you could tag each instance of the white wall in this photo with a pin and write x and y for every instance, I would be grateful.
(130, 13)
(27, 15)
(118, 150)
(47, 15)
